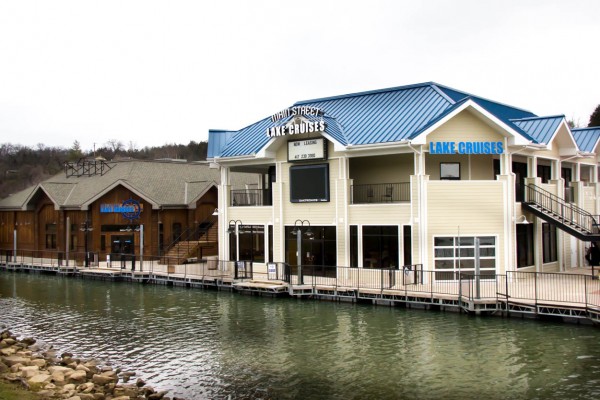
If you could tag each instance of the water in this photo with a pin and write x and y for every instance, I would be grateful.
(203, 344)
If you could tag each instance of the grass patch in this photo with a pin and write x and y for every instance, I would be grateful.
(12, 391)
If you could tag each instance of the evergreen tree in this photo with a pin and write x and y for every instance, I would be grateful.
(595, 117)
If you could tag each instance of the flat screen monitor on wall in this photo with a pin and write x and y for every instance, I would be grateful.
(309, 183)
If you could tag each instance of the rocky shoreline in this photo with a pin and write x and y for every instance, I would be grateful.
(41, 370)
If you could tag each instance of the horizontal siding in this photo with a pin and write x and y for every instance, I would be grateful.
(589, 199)
(468, 207)
(464, 127)
(379, 214)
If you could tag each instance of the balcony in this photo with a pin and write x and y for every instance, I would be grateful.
(251, 197)
(380, 193)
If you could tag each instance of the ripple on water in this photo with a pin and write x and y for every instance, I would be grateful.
(205, 344)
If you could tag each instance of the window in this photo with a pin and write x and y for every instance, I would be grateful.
(251, 240)
(318, 250)
(271, 243)
(454, 255)
(73, 244)
(549, 243)
(51, 236)
(450, 171)
(354, 246)
(524, 245)
(380, 246)
(407, 244)
(543, 171)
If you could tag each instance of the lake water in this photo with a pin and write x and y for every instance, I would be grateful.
(204, 344)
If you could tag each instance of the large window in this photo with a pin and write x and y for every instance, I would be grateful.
(252, 243)
(549, 243)
(457, 255)
(380, 246)
(524, 245)
(320, 249)
(51, 236)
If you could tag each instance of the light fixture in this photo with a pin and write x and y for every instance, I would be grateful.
(216, 212)
(521, 220)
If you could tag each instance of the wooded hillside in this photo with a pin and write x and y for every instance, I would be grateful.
(22, 166)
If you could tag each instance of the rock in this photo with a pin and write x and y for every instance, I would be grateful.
(58, 378)
(57, 368)
(101, 379)
(81, 367)
(3, 368)
(16, 368)
(28, 372)
(9, 341)
(121, 398)
(157, 396)
(8, 351)
(66, 354)
(85, 387)
(39, 378)
(50, 386)
(85, 396)
(74, 398)
(126, 390)
(28, 341)
(14, 359)
(47, 394)
(99, 396)
(69, 386)
(39, 362)
(77, 377)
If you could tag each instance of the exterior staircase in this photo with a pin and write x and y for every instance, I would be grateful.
(194, 244)
(566, 216)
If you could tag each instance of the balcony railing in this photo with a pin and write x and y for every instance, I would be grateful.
(251, 197)
(380, 193)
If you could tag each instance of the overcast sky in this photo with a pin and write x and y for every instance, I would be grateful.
(154, 72)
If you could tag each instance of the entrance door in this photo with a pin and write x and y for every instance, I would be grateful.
(121, 245)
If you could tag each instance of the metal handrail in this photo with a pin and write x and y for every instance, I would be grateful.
(565, 212)
(380, 193)
(250, 197)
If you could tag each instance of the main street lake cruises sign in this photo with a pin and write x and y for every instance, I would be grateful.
(130, 209)
(297, 128)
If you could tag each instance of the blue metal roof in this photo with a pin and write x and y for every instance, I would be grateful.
(217, 140)
(378, 116)
(586, 138)
(541, 129)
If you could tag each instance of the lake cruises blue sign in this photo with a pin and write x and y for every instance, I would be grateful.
(466, 148)
(130, 209)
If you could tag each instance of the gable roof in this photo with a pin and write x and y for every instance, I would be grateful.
(379, 116)
(160, 183)
(587, 138)
(541, 129)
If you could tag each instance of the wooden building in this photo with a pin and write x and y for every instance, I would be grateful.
(113, 209)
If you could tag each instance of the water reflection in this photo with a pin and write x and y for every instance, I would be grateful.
(208, 344)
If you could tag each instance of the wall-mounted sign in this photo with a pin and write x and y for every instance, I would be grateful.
(307, 150)
(298, 110)
(130, 209)
(296, 129)
(466, 148)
